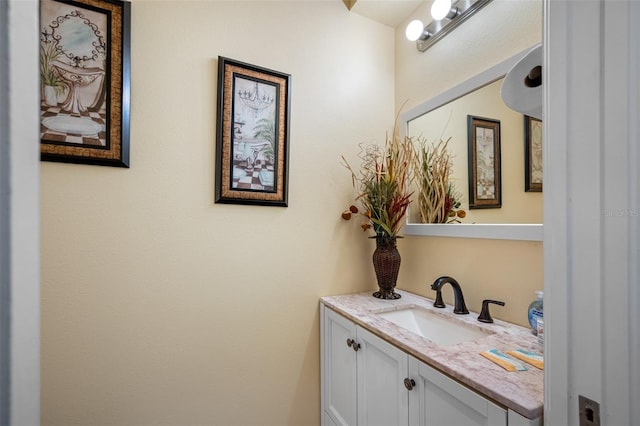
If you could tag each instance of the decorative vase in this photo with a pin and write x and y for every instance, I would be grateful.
(386, 263)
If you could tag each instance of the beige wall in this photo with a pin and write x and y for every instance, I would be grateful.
(161, 307)
(486, 269)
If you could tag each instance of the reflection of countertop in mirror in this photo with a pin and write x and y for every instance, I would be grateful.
(520, 391)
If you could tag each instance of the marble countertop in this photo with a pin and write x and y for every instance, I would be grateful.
(521, 391)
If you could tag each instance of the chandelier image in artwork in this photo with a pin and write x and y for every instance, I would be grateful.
(254, 100)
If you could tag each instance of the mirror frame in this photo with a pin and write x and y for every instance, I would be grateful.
(522, 232)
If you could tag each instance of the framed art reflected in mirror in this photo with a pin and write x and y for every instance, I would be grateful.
(485, 182)
(532, 154)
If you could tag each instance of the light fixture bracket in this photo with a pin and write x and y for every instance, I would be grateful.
(438, 29)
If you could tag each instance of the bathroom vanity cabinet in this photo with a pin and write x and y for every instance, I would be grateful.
(363, 376)
(366, 380)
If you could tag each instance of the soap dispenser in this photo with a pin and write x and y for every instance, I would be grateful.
(535, 311)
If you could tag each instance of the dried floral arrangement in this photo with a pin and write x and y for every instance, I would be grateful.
(383, 180)
(438, 200)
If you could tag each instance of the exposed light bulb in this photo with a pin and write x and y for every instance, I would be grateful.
(414, 30)
(440, 9)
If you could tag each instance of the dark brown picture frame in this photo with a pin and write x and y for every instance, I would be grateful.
(485, 180)
(252, 142)
(532, 154)
(85, 81)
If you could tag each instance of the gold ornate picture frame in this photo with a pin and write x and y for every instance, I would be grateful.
(85, 81)
(252, 142)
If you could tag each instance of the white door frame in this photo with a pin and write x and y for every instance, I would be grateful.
(19, 214)
(591, 209)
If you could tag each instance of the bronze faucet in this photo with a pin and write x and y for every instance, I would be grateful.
(460, 307)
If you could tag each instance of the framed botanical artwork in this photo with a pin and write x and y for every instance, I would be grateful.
(85, 81)
(252, 144)
(532, 154)
(485, 181)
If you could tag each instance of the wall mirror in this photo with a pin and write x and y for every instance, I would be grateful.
(520, 215)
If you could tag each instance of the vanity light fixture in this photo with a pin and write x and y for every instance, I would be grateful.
(446, 17)
(441, 9)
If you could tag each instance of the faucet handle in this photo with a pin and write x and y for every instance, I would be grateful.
(485, 316)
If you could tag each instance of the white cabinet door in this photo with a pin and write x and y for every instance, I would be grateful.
(438, 400)
(339, 369)
(382, 397)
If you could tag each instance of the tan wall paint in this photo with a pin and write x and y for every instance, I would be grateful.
(487, 269)
(160, 307)
(498, 31)
(510, 271)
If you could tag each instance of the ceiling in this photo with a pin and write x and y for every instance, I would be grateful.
(387, 12)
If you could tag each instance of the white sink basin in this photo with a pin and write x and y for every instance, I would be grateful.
(432, 326)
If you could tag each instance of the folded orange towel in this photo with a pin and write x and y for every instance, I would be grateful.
(502, 360)
(528, 357)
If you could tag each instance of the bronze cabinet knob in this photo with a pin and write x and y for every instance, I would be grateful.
(409, 383)
(353, 345)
